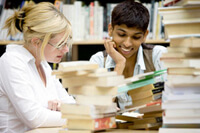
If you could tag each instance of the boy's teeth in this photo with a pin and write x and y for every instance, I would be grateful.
(125, 49)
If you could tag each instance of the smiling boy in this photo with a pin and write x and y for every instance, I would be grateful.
(127, 53)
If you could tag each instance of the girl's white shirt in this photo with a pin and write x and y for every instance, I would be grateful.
(23, 96)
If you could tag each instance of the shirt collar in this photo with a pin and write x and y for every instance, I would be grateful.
(21, 50)
(110, 62)
(140, 59)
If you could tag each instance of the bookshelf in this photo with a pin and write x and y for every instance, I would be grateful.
(94, 43)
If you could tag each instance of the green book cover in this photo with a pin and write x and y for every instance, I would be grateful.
(143, 79)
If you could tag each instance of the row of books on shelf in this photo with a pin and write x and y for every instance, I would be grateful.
(94, 19)
(181, 95)
(91, 22)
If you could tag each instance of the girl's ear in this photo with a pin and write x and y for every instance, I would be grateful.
(35, 41)
(110, 30)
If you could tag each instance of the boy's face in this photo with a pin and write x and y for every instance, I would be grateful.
(127, 39)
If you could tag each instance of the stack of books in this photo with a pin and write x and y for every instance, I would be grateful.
(181, 96)
(93, 89)
(146, 93)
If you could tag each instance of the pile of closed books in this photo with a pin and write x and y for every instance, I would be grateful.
(145, 91)
(181, 96)
(93, 89)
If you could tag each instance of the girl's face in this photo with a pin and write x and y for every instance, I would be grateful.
(52, 53)
(127, 39)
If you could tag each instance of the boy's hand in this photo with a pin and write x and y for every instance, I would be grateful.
(119, 59)
(54, 105)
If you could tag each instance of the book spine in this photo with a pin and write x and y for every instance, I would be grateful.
(105, 123)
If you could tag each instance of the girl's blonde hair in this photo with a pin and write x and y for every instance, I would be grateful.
(41, 20)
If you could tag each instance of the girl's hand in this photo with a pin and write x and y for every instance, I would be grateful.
(54, 105)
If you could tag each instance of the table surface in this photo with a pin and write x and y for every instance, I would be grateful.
(56, 130)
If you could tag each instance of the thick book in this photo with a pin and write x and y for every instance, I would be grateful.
(77, 65)
(180, 63)
(149, 107)
(91, 73)
(91, 90)
(144, 101)
(152, 108)
(186, 41)
(148, 120)
(181, 28)
(169, 88)
(179, 13)
(181, 120)
(92, 124)
(145, 94)
(92, 110)
(180, 55)
(101, 100)
(183, 71)
(183, 80)
(180, 113)
(87, 117)
(179, 130)
(183, 50)
(101, 81)
(181, 126)
(178, 97)
(181, 104)
(153, 114)
(147, 126)
(141, 89)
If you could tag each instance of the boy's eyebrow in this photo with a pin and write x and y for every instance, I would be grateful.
(134, 33)
(138, 33)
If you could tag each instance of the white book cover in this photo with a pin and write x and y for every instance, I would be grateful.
(181, 104)
(178, 113)
(169, 96)
(179, 130)
(181, 120)
(169, 88)
(184, 80)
